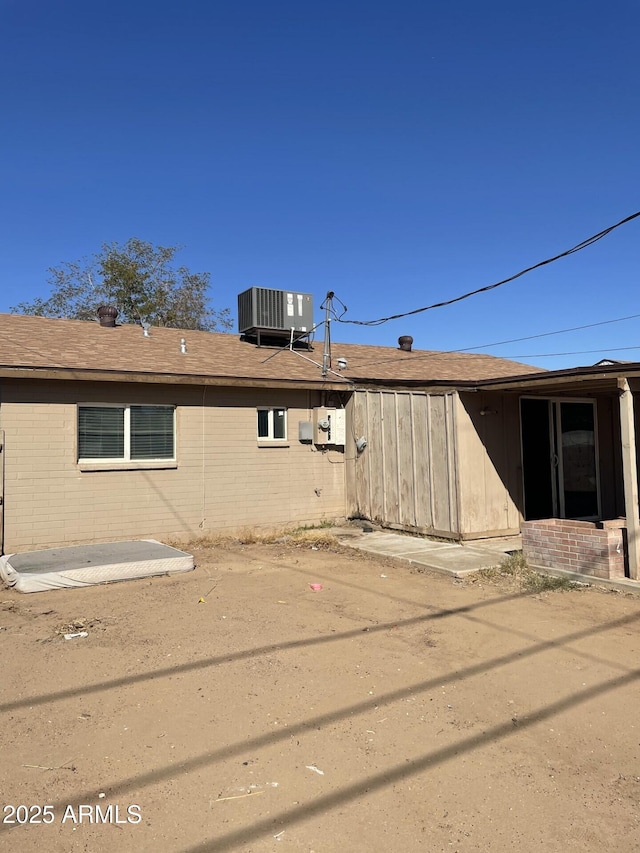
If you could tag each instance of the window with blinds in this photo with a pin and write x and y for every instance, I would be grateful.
(152, 432)
(126, 433)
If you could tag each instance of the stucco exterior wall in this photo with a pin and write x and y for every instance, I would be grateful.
(222, 479)
(489, 464)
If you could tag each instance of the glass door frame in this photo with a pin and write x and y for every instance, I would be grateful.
(557, 461)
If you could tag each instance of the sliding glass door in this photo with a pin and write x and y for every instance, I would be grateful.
(559, 459)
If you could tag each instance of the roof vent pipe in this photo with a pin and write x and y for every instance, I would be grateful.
(107, 316)
(405, 342)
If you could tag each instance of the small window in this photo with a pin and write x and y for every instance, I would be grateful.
(272, 424)
(126, 433)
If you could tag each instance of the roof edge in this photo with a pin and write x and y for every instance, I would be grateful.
(87, 375)
(555, 377)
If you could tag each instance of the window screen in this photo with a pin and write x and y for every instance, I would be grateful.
(152, 432)
(100, 432)
(126, 432)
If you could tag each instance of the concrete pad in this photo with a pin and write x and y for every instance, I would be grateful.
(456, 559)
(448, 557)
(395, 545)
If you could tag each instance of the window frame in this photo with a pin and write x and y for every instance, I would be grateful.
(126, 459)
(270, 438)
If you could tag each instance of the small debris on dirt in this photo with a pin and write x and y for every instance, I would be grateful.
(236, 797)
(77, 626)
(64, 766)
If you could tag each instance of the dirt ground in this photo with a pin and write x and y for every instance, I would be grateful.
(389, 711)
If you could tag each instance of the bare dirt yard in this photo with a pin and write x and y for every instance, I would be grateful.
(389, 711)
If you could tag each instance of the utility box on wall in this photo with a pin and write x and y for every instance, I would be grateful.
(339, 427)
(329, 426)
(305, 431)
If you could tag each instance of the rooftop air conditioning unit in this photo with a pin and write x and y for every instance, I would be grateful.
(274, 312)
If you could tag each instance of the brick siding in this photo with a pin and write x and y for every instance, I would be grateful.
(590, 548)
(223, 479)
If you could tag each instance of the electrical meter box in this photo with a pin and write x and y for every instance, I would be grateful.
(329, 426)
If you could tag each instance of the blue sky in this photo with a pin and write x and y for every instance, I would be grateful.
(397, 153)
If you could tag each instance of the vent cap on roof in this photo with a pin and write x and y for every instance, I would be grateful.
(107, 315)
(405, 342)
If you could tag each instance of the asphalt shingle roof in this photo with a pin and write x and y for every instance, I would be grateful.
(43, 343)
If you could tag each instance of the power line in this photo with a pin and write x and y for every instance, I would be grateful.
(575, 352)
(548, 334)
(418, 356)
(577, 248)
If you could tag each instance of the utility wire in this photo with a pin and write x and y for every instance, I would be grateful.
(418, 355)
(575, 352)
(548, 334)
(577, 248)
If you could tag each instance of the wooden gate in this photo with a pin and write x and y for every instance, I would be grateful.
(406, 476)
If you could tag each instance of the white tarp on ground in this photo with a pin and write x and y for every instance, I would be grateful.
(84, 565)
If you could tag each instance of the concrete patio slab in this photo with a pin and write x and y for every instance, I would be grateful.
(457, 560)
(448, 557)
(393, 544)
